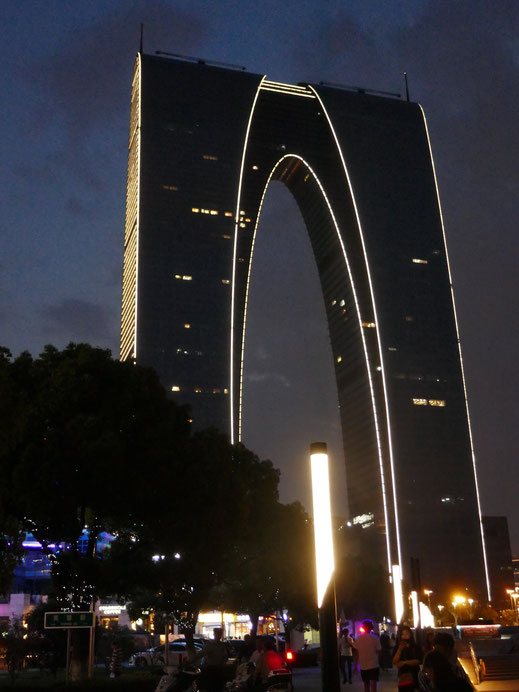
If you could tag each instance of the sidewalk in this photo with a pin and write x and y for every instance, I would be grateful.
(309, 680)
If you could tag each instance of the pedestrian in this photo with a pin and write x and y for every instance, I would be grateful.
(428, 644)
(407, 657)
(367, 646)
(386, 654)
(214, 654)
(441, 671)
(269, 660)
(345, 647)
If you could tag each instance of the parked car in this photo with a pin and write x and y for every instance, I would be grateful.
(177, 654)
(309, 655)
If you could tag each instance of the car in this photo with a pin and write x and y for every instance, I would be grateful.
(309, 655)
(177, 654)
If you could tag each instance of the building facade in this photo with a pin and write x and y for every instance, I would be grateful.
(205, 142)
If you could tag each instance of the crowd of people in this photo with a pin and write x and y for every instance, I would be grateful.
(431, 668)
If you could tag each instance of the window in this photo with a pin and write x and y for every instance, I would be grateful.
(227, 237)
(226, 391)
(178, 276)
(225, 281)
(187, 326)
(420, 402)
(242, 225)
(436, 402)
(210, 157)
(334, 302)
(419, 261)
(369, 325)
(339, 359)
(172, 188)
(228, 213)
(409, 318)
(254, 168)
(195, 210)
(198, 390)
(342, 303)
(175, 388)
(391, 348)
(217, 390)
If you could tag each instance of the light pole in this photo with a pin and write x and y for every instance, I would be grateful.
(428, 593)
(325, 567)
(440, 608)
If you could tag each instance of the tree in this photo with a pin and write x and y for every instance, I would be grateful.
(83, 439)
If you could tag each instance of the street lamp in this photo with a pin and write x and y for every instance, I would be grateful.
(325, 566)
(428, 593)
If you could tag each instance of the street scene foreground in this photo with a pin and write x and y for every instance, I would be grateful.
(304, 680)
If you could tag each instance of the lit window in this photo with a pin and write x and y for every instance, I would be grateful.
(247, 220)
(227, 237)
(175, 388)
(187, 326)
(436, 402)
(195, 210)
(420, 402)
(343, 311)
(205, 211)
(198, 353)
(242, 225)
(209, 157)
(228, 213)
(306, 177)
(173, 188)
(446, 499)
(186, 277)
(334, 302)
(240, 259)
(339, 359)
(189, 420)
(409, 318)
(225, 281)
(254, 168)
(226, 391)
(419, 261)
(198, 390)
(217, 390)
(342, 303)
(178, 276)
(391, 348)
(214, 212)
(369, 325)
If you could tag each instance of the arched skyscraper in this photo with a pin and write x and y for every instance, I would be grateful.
(204, 144)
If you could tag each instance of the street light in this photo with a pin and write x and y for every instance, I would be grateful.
(428, 593)
(325, 566)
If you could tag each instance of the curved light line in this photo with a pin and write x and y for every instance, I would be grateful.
(357, 306)
(390, 445)
(236, 228)
(461, 360)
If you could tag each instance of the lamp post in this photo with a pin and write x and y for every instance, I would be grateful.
(440, 608)
(325, 567)
(428, 593)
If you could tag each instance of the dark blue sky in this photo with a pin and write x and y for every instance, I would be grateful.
(66, 79)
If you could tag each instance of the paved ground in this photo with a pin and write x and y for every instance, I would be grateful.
(309, 680)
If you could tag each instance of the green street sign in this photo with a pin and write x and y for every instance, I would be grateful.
(66, 620)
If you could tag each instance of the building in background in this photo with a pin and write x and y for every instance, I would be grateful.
(500, 564)
(205, 142)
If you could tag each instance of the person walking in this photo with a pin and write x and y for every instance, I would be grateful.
(214, 655)
(345, 647)
(407, 657)
(441, 670)
(367, 646)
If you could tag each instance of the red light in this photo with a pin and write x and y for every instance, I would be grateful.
(290, 655)
(362, 630)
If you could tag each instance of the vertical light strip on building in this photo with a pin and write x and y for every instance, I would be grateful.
(461, 360)
(235, 249)
(359, 225)
(131, 234)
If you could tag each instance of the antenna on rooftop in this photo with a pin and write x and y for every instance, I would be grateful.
(142, 39)
(406, 87)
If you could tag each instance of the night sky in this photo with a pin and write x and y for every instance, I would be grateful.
(66, 78)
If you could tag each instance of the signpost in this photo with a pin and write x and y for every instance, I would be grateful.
(85, 619)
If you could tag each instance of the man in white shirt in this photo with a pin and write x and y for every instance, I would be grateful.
(367, 646)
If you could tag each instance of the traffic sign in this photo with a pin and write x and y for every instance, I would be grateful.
(73, 619)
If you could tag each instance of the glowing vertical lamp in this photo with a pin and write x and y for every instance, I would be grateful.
(325, 567)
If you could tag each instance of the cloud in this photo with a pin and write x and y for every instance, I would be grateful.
(79, 320)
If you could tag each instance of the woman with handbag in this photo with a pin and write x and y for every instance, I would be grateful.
(407, 657)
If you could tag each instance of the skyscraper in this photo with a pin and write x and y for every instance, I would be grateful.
(205, 142)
